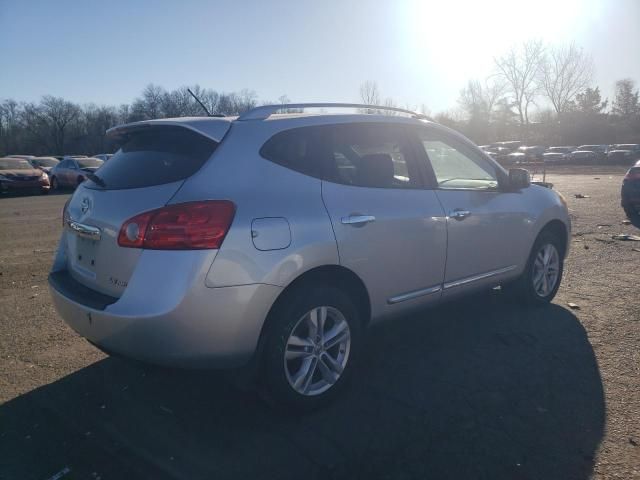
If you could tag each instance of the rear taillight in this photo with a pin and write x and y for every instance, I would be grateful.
(633, 174)
(185, 226)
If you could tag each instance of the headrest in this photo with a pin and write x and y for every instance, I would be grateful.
(376, 170)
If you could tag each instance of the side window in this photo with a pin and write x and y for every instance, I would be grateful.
(370, 155)
(456, 165)
(296, 149)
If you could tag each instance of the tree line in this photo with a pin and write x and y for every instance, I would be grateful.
(55, 126)
(558, 81)
(537, 93)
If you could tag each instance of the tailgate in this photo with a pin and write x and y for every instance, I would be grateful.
(94, 257)
(151, 165)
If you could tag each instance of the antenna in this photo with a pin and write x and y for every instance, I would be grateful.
(201, 104)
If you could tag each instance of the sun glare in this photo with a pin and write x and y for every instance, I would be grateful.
(458, 37)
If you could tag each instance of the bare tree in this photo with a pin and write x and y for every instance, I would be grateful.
(53, 117)
(479, 100)
(369, 93)
(565, 72)
(149, 106)
(519, 69)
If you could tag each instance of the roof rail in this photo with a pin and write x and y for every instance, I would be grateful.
(265, 111)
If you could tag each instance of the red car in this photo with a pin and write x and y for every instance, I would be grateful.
(18, 175)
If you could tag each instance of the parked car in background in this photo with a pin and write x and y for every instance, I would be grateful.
(526, 154)
(630, 194)
(557, 154)
(624, 153)
(103, 156)
(71, 172)
(600, 150)
(497, 153)
(510, 145)
(532, 153)
(72, 157)
(364, 217)
(583, 156)
(514, 158)
(44, 163)
(18, 175)
(23, 157)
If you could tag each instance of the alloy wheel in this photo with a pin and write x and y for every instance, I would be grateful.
(546, 270)
(317, 350)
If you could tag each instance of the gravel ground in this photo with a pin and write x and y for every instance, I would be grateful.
(476, 389)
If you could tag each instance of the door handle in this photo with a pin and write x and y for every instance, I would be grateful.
(459, 214)
(358, 219)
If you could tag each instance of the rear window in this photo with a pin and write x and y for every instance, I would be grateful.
(89, 162)
(155, 156)
(11, 164)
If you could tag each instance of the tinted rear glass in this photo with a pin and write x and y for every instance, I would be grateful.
(14, 164)
(154, 156)
(89, 162)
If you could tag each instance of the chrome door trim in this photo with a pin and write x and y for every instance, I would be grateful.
(82, 230)
(481, 276)
(415, 294)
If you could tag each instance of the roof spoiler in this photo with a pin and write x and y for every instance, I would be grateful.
(210, 127)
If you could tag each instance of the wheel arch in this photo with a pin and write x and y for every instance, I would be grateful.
(334, 275)
(558, 229)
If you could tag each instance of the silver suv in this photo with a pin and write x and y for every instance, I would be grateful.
(276, 240)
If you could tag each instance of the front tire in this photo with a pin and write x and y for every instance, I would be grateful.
(55, 185)
(541, 279)
(633, 215)
(313, 342)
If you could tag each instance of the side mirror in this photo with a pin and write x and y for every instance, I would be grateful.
(519, 178)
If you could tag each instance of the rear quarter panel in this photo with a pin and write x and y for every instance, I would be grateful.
(262, 189)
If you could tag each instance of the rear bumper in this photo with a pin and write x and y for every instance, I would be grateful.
(202, 328)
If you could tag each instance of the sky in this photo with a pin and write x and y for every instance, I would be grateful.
(418, 52)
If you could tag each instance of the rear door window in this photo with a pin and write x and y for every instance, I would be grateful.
(155, 156)
(371, 155)
(365, 154)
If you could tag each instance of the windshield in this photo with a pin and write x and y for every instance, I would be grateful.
(89, 162)
(9, 164)
(44, 162)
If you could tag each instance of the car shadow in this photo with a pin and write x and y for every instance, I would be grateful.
(481, 389)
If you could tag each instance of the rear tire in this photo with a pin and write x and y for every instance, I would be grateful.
(541, 278)
(314, 339)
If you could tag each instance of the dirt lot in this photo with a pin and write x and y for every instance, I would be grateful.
(486, 389)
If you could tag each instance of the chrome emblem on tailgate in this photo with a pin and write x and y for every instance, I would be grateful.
(85, 205)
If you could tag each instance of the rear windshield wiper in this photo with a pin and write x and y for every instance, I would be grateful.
(96, 179)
